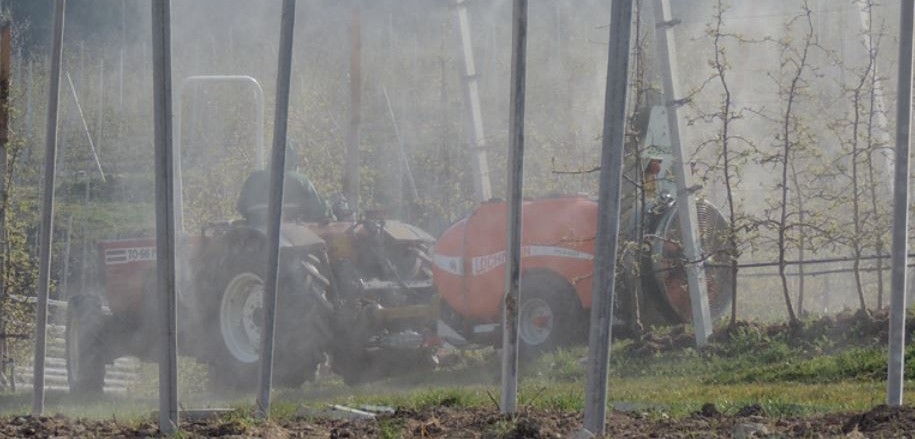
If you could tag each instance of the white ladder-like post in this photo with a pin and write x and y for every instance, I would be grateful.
(686, 205)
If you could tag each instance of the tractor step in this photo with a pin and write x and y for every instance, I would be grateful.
(383, 285)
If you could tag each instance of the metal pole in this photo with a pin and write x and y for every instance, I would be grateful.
(82, 118)
(83, 272)
(351, 181)
(177, 143)
(275, 203)
(165, 217)
(899, 279)
(199, 80)
(100, 112)
(47, 211)
(28, 103)
(686, 205)
(5, 56)
(65, 270)
(82, 63)
(414, 192)
(608, 220)
(515, 183)
(121, 55)
(480, 163)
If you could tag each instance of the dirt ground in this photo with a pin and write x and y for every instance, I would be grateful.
(449, 422)
(454, 422)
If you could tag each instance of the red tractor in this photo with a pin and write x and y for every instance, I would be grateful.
(359, 291)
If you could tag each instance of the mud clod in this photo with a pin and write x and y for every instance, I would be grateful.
(709, 411)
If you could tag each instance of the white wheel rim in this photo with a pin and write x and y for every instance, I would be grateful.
(240, 316)
(536, 321)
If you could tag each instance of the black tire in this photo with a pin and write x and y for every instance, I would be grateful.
(302, 335)
(85, 347)
(550, 315)
(302, 321)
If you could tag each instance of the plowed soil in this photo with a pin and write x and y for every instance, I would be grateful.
(449, 422)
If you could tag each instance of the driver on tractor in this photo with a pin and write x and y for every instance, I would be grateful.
(301, 201)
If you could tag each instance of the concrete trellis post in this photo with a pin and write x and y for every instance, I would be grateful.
(47, 210)
(165, 217)
(275, 204)
(512, 299)
(899, 277)
(686, 205)
(477, 140)
(608, 221)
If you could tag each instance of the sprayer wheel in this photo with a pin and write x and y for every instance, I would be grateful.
(85, 351)
(549, 315)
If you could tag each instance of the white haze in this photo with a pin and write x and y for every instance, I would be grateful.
(402, 53)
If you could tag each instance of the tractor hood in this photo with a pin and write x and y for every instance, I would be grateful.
(403, 232)
(298, 235)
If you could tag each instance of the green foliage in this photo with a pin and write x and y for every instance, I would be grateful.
(389, 428)
(752, 345)
(445, 397)
(564, 365)
(571, 399)
(416, 398)
(503, 428)
(858, 364)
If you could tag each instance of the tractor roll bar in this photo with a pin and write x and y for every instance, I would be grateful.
(242, 80)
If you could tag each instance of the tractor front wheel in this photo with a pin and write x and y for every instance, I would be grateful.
(233, 291)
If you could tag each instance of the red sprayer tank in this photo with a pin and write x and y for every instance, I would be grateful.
(557, 234)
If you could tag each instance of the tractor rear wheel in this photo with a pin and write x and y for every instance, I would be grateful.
(85, 349)
(550, 315)
(232, 288)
